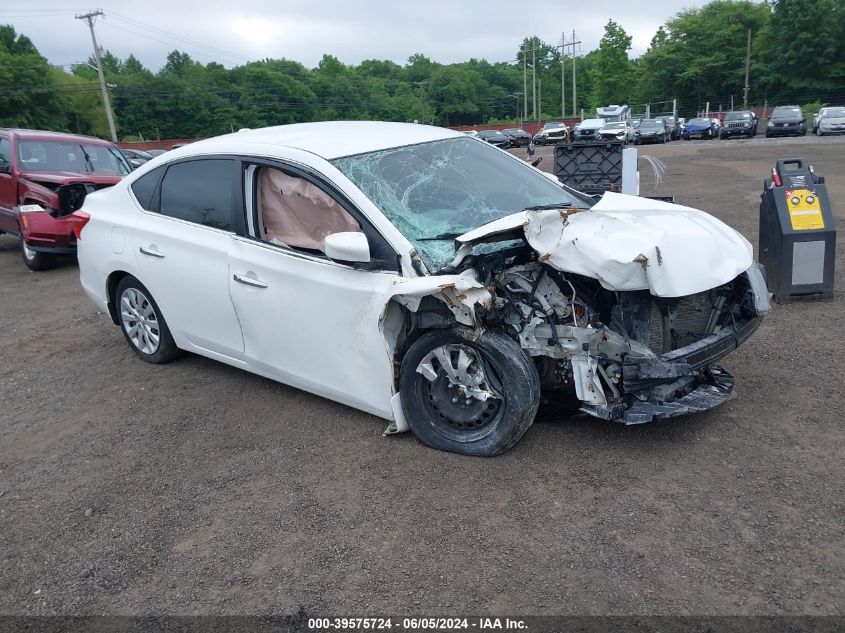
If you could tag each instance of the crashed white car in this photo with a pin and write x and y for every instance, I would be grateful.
(422, 276)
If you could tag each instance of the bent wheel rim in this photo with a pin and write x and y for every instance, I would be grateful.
(140, 321)
(460, 393)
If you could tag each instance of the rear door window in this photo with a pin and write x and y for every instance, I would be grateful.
(201, 191)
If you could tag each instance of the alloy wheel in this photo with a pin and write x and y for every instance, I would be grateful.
(140, 321)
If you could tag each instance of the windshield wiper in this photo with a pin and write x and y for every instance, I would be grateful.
(91, 168)
(547, 207)
(442, 236)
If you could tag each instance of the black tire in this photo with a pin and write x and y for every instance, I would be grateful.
(36, 260)
(439, 416)
(165, 350)
(722, 137)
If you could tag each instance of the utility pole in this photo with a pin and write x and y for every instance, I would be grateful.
(524, 85)
(89, 18)
(540, 104)
(574, 85)
(423, 99)
(562, 77)
(534, 81)
(747, 66)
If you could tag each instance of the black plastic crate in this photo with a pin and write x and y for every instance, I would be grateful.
(593, 168)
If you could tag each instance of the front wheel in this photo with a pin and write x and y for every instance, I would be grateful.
(142, 322)
(36, 260)
(468, 394)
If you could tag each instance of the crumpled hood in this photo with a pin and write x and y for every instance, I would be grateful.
(632, 243)
(697, 127)
(67, 177)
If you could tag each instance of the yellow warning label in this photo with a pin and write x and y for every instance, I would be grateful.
(805, 212)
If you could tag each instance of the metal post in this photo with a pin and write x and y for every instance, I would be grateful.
(747, 67)
(675, 108)
(89, 18)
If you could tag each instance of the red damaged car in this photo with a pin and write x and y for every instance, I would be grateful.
(44, 178)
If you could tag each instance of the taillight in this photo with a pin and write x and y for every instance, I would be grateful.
(81, 220)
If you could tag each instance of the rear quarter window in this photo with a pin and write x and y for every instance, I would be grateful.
(144, 189)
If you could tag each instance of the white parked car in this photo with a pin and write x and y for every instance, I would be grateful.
(417, 274)
(617, 131)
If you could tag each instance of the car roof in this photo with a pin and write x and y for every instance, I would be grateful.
(46, 135)
(327, 139)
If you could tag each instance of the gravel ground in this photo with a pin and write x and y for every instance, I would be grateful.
(128, 488)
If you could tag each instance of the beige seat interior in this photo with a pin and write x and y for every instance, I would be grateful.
(293, 212)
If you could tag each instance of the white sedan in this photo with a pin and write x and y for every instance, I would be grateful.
(420, 275)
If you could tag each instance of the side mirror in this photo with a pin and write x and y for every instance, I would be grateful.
(349, 247)
(5, 166)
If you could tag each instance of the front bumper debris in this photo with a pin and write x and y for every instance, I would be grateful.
(676, 383)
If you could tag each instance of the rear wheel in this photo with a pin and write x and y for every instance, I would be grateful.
(467, 394)
(142, 322)
(36, 260)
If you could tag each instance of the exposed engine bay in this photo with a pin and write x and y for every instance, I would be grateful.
(627, 356)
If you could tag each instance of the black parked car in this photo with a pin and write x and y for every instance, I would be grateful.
(518, 137)
(651, 131)
(786, 120)
(495, 137)
(673, 128)
(739, 123)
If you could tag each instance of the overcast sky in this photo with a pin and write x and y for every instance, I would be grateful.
(233, 32)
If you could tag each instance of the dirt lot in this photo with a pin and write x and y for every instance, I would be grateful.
(197, 488)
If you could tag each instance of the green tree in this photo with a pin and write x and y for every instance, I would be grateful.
(700, 54)
(613, 73)
(29, 94)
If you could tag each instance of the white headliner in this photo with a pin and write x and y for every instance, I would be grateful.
(329, 139)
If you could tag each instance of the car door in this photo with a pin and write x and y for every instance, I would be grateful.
(8, 188)
(309, 321)
(181, 246)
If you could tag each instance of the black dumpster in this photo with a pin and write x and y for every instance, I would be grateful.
(797, 233)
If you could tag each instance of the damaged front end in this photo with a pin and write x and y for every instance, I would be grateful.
(633, 337)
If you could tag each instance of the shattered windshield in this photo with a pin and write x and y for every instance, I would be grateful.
(73, 157)
(433, 192)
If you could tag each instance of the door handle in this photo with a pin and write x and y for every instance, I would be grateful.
(153, 252)
(250, 280)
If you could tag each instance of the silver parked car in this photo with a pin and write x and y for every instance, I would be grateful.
(832, 121)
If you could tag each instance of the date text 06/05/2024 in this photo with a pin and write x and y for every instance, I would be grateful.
(415, 624)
